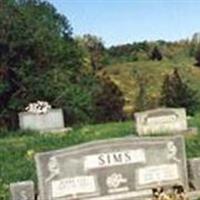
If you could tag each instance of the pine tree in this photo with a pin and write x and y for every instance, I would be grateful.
(108, 101)
(156, 54)
(177, 93)
(142, 100)
(197, 57)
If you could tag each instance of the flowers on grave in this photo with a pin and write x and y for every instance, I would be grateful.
(40, 107)
(177, 193)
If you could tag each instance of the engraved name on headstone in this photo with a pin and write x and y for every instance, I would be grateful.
(194, 172)
(22, 190)
(122, 169)
(163, 120)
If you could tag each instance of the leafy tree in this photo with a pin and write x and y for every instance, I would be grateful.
(38, 60)
(156, 54)
(196, 39)
(177, 93)
(129, 52)
(96, 50)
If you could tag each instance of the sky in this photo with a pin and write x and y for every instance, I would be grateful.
(127, 21)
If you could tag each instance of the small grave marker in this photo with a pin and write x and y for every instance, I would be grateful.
(163, 120)
(22, 190)
(52, 120)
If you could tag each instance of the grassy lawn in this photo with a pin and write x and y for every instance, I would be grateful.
(17, 149)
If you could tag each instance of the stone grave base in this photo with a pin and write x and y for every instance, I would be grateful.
(194, 195)
(55, 131)
(26, 190)
(189, 132)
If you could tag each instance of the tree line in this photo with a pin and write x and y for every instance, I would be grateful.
(40, 59)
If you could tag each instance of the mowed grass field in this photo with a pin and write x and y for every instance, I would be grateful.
(17, 149)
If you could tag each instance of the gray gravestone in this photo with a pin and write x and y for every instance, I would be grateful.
(163, 120)
(113, 169)
(194, 172)
(22, 190)
(52, 120)
(194, 195)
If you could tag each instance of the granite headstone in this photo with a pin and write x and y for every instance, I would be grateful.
(22, 190)
(194, 172)
(115, 169)
(162, 120)
(51, 120)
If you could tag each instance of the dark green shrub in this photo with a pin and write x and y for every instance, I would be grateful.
(177, 93)
(156, 54)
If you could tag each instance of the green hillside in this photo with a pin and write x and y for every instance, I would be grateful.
(155, 72)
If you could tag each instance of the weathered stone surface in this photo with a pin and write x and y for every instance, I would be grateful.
(116, 169)
(191, 131)
(194, 195)
(49, 121)
(163, 120)
(22, 190)
(194, 172)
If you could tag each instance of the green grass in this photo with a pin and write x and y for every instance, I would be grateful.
(17, 149)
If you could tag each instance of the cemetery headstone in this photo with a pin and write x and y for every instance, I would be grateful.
(22, 190)
(194, 172)
(115, 169)
(163, 120)
(49, 121)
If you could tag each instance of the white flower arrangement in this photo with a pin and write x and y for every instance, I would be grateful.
(40, 107)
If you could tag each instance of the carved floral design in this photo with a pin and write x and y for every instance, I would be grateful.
(53, 168)
(172, 151)
(115, 180)
(23, 195)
